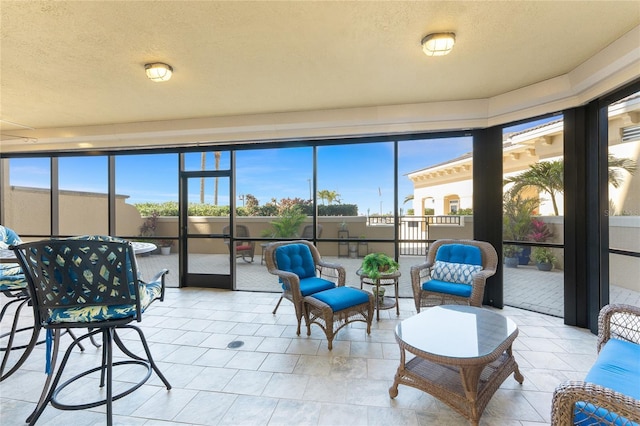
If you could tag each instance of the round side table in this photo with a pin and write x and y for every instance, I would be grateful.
(388, 302)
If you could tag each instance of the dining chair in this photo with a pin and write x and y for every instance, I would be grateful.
(90, 283)
(13, 285)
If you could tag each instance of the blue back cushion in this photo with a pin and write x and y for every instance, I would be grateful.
(296, 258)
(459, 253)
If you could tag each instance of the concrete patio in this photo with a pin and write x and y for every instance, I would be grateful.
(524, 287)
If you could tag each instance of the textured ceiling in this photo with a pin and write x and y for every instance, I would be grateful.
(81, 63)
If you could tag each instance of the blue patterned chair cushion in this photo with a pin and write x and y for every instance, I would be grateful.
(296, 258)
(454, 272)
(8, 237)
(148, 293)
(340, 298)
(11, 276)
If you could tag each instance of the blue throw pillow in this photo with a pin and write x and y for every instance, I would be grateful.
(454, 272)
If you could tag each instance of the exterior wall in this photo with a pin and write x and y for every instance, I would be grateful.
(436, 197)
(624, 233)
(29, 214)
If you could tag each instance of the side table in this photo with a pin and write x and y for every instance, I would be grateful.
(263, 246)
(384, 280)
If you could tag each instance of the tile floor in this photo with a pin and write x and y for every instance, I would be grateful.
(278, 378)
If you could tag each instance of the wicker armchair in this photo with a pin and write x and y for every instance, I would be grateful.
(430, 289)
(302, 272)
(307, 232)
(586, 402)
(244, 249)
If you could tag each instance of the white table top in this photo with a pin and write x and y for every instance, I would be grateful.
(139, 248)
(8, 256)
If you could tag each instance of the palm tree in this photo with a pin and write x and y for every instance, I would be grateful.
(333, 196)
(616, 165)
(548, 176)
(324, 194)
(215, 191)
(545, 176)
(203, 163)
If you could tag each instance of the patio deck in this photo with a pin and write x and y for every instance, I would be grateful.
(278, 378)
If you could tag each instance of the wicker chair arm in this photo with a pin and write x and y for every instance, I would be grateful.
(420, 272)
(619, 321)
(324, 267)
(288, 277)
(482, 275)
(329, 265)
(567, 394)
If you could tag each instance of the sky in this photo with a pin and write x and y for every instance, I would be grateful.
(361, 174)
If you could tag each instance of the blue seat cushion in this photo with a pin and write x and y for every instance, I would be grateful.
(148, 293)
(616, 368)
(340, 298)
(456, 289)
(314, 284)
(296, 258)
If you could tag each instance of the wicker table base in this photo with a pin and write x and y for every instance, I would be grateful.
(465, 383)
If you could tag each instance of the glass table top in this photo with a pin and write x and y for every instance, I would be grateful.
(456, 331)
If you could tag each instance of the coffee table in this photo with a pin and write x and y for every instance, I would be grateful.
(462, 356)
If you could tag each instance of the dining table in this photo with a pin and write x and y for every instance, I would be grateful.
(8, 256)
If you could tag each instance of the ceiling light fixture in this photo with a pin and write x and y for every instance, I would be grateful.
(158, 71)
(438, 44)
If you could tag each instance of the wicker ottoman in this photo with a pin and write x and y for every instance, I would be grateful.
(334, 308)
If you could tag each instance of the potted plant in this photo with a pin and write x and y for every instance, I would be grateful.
(165, 246)
(517, 221)
(544, 258)
(510, 253)
(376, 264)
(378, 293)
(540, 231)
(286, 226)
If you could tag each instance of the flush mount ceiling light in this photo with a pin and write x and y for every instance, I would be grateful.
(438, 44)
(158, 71)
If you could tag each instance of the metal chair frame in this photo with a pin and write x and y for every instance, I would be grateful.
(69, 274)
